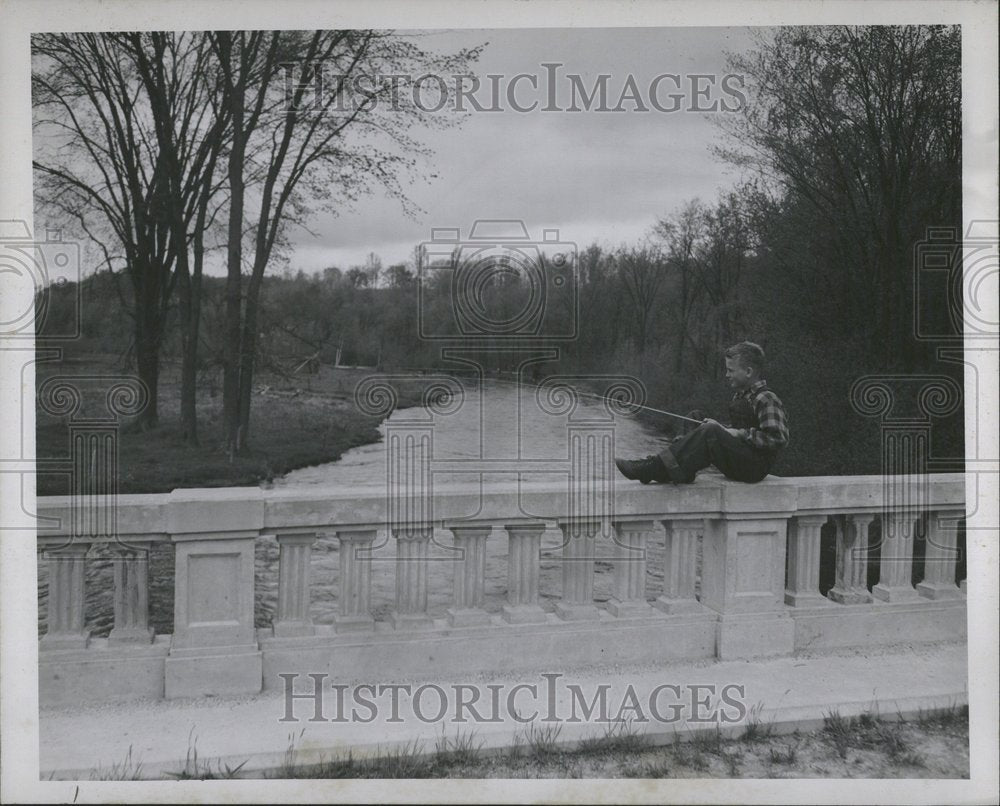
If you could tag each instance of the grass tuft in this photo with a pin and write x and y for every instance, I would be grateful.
(783, 754)
(756, 730)
(951, 717)
(838, 730)
(867, 731)
(462, 749)
(708, 741)
(542, 741)
(658, 768)
(515, 748)
(690, 755)
(732, 761)
(288, 764)
(198, 770)
(620, 736)
(404, 761)
(127, 770)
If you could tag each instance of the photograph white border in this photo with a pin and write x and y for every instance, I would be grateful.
(18, 606)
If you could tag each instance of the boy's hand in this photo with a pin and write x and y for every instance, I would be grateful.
(735, 432)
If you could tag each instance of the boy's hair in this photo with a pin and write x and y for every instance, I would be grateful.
(749, 355)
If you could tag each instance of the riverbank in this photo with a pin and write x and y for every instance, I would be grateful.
(294, 423)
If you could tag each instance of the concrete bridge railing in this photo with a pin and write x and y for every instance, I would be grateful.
(755, 548)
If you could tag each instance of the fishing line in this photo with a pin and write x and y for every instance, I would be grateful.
(605, 399)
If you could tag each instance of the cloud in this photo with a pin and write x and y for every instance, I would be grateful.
(595, 176)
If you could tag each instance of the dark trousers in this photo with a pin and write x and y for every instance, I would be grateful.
(711, 444)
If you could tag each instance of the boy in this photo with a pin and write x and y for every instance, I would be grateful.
(745, 451)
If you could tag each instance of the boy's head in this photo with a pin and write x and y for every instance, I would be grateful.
(744, 364)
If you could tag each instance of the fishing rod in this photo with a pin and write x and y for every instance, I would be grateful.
(638, 406)
(607, 399)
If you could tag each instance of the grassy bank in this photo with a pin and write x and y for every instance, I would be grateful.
(935, 745)
(868, 746)
(294, 423)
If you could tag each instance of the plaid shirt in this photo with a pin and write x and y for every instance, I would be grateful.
(772, 431)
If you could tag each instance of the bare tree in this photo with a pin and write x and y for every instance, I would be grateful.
(97, 162)
(683, 233)
(127, 146)
(643, 270)
(302, 150)
(721, 263)
(177, 75)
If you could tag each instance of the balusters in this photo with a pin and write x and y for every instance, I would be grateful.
(131, 595)
(64, 627)
(803, 561)
(524, 547)
(412, 543)
(470, 575)
(579, 543)
(355, 596)
(629, 588)
(895, 581)
(294, 562)
(744, 563)
(851, 586)
(941, 557)
(680, 566)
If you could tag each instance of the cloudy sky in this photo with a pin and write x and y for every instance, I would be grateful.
(594, 176)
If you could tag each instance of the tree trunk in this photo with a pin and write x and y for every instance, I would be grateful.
(147, 349)
(190, 369)
(191, 315)
(189, 417)
(146, 283)
(189, 287)
(234, 267)
(248, 355)
(679, 351)
(161, 96)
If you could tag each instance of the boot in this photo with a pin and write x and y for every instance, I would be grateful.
(644, 470)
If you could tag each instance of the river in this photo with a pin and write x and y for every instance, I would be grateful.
(500, 421)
